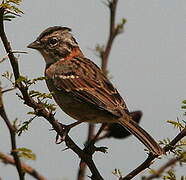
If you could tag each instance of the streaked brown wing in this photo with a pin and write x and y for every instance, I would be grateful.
(84, 80)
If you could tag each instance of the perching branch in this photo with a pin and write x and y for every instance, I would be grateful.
(26, 168)
(151, 157)
(40, 109)
(12, 132)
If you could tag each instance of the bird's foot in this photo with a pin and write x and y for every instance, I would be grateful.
(90, 148)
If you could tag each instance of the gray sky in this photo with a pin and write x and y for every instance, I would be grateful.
(147, 65)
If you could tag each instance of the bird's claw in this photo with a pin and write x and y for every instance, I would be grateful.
(91, 148)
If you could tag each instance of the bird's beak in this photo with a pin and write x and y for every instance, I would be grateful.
(35, 45)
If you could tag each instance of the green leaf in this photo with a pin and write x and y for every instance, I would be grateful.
(21, 79)
(26, 153)
(38, 94)
(183, 157)
(100, 50)
(176, 124)
(17, 10)
(183, 107)
(26, 124)
(38, 79)
(165, 141)
(17, 2)
(117, 173)
(31, 112)
(120, 26)
(11, 6)
(8, 75)
(51, 107)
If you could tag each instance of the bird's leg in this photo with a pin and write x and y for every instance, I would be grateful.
(98, 133)
(91, 148)
(65, 131)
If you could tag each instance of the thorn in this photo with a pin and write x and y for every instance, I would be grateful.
(51, 129)
(101, 149)
(4, 58)
(66, 149)
(57, 139)
(7, 90)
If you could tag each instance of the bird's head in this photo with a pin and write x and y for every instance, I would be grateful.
(55, 43)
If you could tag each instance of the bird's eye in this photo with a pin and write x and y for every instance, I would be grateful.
(53, 41)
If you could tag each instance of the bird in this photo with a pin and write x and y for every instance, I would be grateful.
(79, 86)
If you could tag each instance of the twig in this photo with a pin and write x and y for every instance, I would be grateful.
(7, 90)
(4, 58)
(112, 34)
(151, 157)
(12, 132)
(159, 172)
(41, 110)
(7, 46)
(26, 168)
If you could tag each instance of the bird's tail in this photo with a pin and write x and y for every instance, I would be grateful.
(142, 135)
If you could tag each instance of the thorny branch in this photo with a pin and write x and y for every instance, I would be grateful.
(12, 131)
(40, 108)
(151, 157)
(26, 168)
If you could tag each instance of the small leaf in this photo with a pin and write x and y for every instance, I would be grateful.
(25, 125)
(25, 153)
(31, 112)
(11, 7)
(117, 173)
(21, 79)
(176, 124)
(38, 94)
(152, 171)
(183, 107)
(100, 49)
(183, 157)
(17, 10)
(8, 75)
(38, 79)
